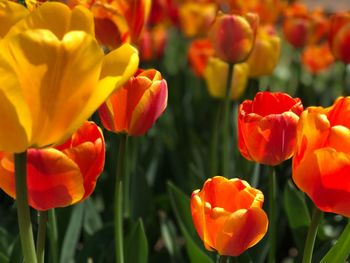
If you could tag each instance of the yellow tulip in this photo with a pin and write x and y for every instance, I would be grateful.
(266, 52)
(53, 76)
(215, 75)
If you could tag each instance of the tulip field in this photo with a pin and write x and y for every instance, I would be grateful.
(200, 131)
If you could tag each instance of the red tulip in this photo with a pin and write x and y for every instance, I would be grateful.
(135, 107)
(339, 36)
(228, 215)
(199, 52)
(267, 127)
(61, 176)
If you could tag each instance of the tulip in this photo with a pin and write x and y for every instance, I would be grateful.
(135, 107)
(302, 27)
(266, 52)
(196, 18)
(317, 58)
(152, 43)
(215, 75)
(339, 36)
(233, 36)
(10, 14)
(228, 215)
(267, 127)
(54, 76)
(199, 52)
(321, 163)
(61, 176)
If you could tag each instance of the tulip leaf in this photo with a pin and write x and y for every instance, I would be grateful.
(297, 213)
(169, 235)
(3, 258)
(16, 254)
(341, 250)
(295, 206)
(72, 234)
(92, 219)
(136, 245)
(181, 205)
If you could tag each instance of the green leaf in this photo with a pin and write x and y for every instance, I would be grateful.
(181, 205)
(72, 235)
(92, 219)
(16, 254)
(3, 258)
(295, 206)
(169, 235)
(341, 250)
(136, 245)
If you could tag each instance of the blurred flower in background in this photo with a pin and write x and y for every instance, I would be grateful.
(339, 36)
(317, 58)
(199, 52)
(228, 215)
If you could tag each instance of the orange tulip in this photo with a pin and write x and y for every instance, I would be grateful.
(135, 107)
(199, 52)
(317, 58)
(233, 36)
(339, 36)
(61, 176)
(302, 27)
(228, 215)
(321, 163)
(267, 127)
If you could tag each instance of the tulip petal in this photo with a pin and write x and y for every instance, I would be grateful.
(53, 179)
(57, 18)
(149, 108)
(242, 230)
(10, 14)
(15, 120)
(324, 175)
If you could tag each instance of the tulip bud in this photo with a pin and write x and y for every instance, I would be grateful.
(267, 127)
(233, 36)
(266, 52)
(215, 75)
(135, 107)
(228, 215)
(339, 36)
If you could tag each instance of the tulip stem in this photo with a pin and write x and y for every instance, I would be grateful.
(41, 236)
(311, 235)
(53, 236)
(214, 144)
(118, 201)
(226, 128)
(223, 259)
(23, 212)
(272, 216)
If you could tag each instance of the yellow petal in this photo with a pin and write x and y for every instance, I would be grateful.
(10, 14)
(57, 18)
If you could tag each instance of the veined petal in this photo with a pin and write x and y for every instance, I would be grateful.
(57, 18)
(53, 179)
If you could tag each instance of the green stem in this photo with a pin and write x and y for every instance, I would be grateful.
(23, 213)
(272, 216)
(118, 201)
(226, 128)
(53, 236)
(223, 259)
(311, 235)
(214, 144)
(41, 236)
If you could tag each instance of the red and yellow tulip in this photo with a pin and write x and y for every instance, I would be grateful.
(267, 127)
(135, 107)
(228, 215)
(61, 176)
